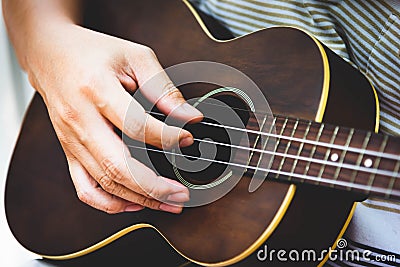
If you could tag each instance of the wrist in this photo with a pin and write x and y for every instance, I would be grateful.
(30, 22)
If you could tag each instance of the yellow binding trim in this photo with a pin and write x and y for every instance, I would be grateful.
(377, 108)
(99, 245)
(289, 195)
(264, 236)
(268, 231)
(325, 62)
(325, 84)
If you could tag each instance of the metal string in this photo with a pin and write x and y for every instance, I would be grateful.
(302, 176)
(304, 141)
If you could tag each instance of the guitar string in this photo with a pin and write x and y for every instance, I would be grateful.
(307, 159)
(305, 141)
(302, 158)
(366, 170)
(319, 143)
(305, 177)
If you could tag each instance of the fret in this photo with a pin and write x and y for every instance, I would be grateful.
(301, 147)
(287, 149)
(315, 153)
(393, 179)
(314, 148)
(343, 155)
(377, 161)
(256, 141)
(322, 154)
(278, 141)
(327, 153)
(359, 159)
(265, 145)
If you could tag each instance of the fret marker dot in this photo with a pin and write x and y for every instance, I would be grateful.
(368, 163)
(334, 157)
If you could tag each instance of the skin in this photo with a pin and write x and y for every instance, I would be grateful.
(85, 78)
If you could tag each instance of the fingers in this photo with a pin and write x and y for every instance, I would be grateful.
(96, 188)
(102, 155)
(155, 186)
(156, 86)
(129, 116)
(89, 193)
(104, 176)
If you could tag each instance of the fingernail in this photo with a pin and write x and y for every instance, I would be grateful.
(170, 208)
(133, 207)
(186, 141)
(191, 111)
(178, 197)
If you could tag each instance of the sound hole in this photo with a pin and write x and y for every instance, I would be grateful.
(206, 159)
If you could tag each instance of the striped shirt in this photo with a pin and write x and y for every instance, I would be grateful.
(365, 33)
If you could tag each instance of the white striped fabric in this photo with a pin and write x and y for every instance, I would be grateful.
(366, 33)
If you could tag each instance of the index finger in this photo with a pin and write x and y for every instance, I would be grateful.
(129, 116)
(158, 88)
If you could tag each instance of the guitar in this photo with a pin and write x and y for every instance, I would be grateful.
(328, 156)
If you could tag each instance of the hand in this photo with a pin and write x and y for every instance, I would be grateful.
(83, 77)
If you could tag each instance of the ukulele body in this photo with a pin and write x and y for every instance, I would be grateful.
(300, 79)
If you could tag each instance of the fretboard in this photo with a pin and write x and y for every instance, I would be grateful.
(326, 155)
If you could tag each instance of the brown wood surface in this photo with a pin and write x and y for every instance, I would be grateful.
(46, 216)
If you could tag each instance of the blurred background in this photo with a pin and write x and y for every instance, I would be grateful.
(15, 94)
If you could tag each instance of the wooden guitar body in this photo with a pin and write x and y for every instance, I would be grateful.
(299, 78)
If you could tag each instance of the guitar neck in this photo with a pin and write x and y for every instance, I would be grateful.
(325, 155)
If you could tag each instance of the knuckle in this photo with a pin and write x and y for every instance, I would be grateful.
(86, 89)
(111, 208)
(83, 138)
(68, 114)
(107, 184)
(147, 202)
(97, 96)
(141, 200)
(91, 89)
(169, 88)
(88, 83)
(117, 190)
(112, 170)
(171, 92)
(135, 127)
(120, 191)
(102, 103)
